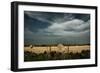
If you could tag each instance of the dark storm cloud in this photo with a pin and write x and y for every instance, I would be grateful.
(49, 27)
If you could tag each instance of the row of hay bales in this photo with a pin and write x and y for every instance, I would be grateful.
(59, 48)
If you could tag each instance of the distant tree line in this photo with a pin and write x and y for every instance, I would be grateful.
(46, 45)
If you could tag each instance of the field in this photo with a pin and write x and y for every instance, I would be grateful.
(56, 52)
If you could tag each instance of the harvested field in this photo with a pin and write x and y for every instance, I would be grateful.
(60, 52)
(63, 49)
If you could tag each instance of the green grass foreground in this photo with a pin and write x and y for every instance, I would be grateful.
(29, 56)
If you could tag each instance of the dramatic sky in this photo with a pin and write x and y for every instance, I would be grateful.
(54, 28)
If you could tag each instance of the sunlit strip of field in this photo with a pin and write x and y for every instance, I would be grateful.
(62, 49)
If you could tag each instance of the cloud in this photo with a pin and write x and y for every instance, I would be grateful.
(68, 27)
(49, 27)
(28, 33)
(39, 16)
(63, 18)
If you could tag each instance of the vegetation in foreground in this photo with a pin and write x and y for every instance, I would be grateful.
(53, 55)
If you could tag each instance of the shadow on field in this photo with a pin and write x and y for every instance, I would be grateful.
(53, 55)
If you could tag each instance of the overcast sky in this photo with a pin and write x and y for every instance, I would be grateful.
(54, 28)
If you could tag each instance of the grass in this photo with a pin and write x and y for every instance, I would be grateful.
(53, 55)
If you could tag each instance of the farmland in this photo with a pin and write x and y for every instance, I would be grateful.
(56, 52)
